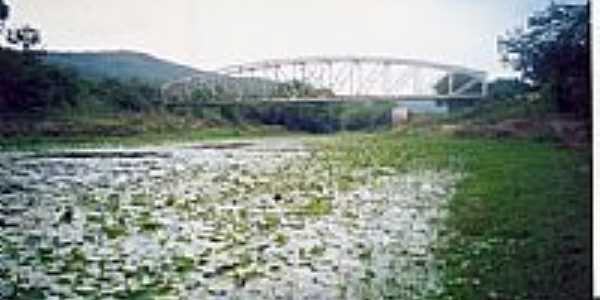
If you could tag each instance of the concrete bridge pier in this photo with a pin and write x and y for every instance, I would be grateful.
(400, 115)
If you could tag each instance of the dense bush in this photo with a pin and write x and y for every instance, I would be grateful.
(126, 95)
(316, 117)
(503, 89)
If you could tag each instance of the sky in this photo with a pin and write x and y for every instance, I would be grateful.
(212, 34)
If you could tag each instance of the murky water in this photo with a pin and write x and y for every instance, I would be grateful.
(248, 220)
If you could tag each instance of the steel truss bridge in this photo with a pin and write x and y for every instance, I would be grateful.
(331, 78)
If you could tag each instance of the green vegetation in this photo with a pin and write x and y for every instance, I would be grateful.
(271, 221)
(317, 207)
(135, 139)
(183, 264)
(114, 231)
(313, 117)
(531, 106)
(41, 91)
(281, 239)
(519, 219)
(32, 87)
(366, 255)
(255, 88)
(75, 261)
(297, 88)
(4, 10)
(507, 88)
(316, 250)
(553, 52)
(149, 225)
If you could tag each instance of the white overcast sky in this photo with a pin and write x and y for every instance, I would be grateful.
(211, 34)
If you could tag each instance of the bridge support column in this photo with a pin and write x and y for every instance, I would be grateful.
(450, 84)
(400, 115)
(484, 88)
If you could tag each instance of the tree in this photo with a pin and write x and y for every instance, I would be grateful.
(29, 86)
(554, 51)
(297, 88)
(25, 36)
(206, 93)
(203, 94)
(4, 12)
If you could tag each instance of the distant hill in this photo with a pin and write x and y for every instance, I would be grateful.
(123, 65)
(126, 65)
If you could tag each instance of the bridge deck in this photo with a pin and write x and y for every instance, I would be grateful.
(309, 101)
(362, 98)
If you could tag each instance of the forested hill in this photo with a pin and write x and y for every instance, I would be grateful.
(122, 65)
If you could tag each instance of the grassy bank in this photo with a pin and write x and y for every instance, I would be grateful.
(127, 130)
(185, 122)
(518, 225)
(142, 139)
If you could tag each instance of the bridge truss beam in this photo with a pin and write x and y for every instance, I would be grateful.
(341, 77)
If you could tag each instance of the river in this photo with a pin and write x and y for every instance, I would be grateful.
(256, 219)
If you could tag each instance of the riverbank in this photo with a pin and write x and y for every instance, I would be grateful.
(519, 223)
(21, 132)
(187, 121)
(41, 143)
